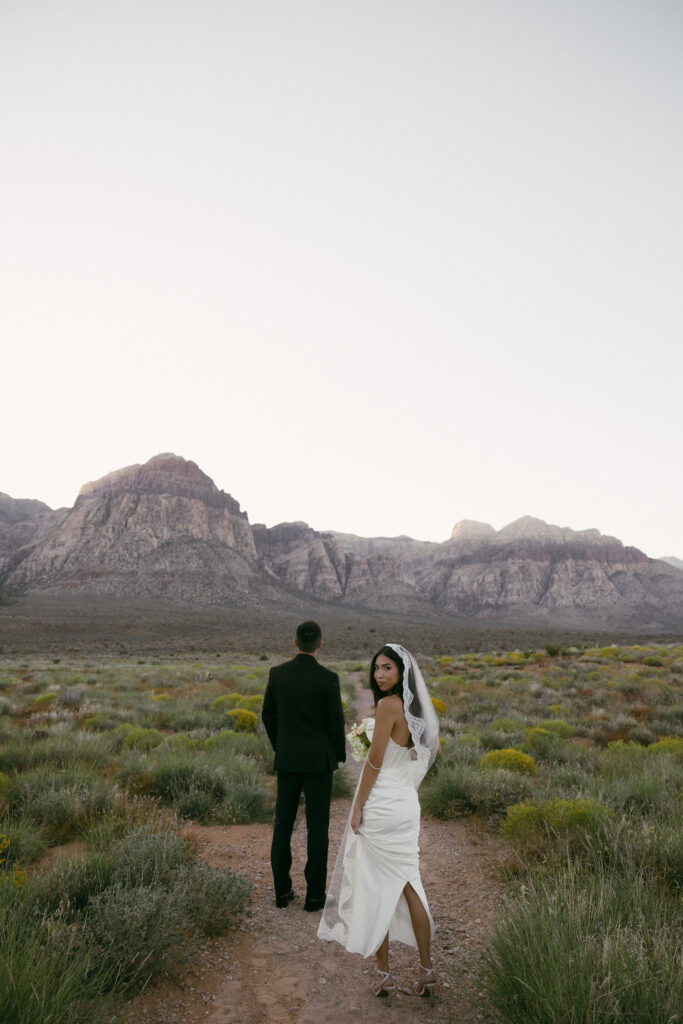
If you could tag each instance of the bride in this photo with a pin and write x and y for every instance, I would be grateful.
(376, 893)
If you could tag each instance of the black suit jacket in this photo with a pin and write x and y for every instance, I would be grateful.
(302, 714)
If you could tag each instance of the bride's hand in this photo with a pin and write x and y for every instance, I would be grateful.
(356, 818)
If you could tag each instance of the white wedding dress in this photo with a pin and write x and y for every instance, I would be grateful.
(365, 897)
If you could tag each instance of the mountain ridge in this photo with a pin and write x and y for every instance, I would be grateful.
(163, 529)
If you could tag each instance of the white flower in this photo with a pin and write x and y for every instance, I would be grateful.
(359, 741)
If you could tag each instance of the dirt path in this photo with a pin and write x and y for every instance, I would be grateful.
(276, 971)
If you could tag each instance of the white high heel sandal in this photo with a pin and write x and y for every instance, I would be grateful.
(385, 988)
(427, 987)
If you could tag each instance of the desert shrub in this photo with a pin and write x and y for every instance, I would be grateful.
(149, 857)
(45, 977)
(629, 685)
(660, 847)
(68, 885)
(254, 702)
(544, 744)
(242, 720)
(246, 800)
(557, 725)
(44, 699)
(587, 945)
(176, 773)
(609, 653)
(195, 805)
(142, 739)
(553, 650)
(65, 747)
(653, 788)
(578, 755)
(26, 841)
(558, 709)
(621, 759)
(138, 933)
(181, 741)
(16, 752)
(342, 783)
(225, 702)
(447, 726)
(531, 825)
(180, 716)
(673, 715)
(439, 706)
(497, 739)
(215, 899)
(464, 749)
(64, 803)
(491, 792)
(446, 794)
(632, 780)
(565, 779)
(223, 788)
(671, 745)
(507, 725)
(510, 759)
(642, 735)
(101, 722)
(229, 742)
(118, 735)
(71, 697)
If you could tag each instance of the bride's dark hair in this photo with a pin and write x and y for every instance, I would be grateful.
(414, 704)
(392, 655)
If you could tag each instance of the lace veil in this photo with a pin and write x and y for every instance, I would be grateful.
(420, 714)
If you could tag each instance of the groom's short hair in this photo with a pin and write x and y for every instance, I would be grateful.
(308, 636)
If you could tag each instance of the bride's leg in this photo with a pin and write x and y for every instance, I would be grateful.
(421, 925)
(385, 986)
(383, 954)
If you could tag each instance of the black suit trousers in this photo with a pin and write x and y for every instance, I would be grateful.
(317, 790)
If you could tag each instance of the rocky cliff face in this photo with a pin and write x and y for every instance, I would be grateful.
(164, 529)
(531, 569)
(23, 521)
(342, 567)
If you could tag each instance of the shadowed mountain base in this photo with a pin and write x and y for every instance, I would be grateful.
(64, 625)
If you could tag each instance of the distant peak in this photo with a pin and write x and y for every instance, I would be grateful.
(166, 474)
(531, 527)
(471, 529)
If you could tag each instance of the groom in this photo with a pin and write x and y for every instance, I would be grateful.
(302, 714)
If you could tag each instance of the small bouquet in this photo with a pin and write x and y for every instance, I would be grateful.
(359, 740)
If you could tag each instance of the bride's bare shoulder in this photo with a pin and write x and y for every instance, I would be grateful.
(390, 706)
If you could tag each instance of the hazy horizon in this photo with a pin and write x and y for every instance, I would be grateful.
(379, 266)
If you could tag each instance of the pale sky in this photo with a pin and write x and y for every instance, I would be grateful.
(379, 266)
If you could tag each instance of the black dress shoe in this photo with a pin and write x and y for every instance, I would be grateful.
(284, 901)
(312, 905)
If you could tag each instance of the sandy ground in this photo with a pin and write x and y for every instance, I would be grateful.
(276, 970)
